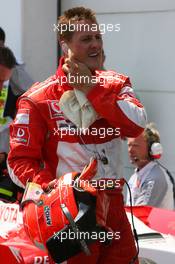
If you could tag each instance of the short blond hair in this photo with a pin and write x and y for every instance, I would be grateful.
(151, 134)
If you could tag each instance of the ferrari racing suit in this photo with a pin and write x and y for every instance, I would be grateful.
(45, 144)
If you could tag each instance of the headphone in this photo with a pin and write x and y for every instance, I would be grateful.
(155, 149)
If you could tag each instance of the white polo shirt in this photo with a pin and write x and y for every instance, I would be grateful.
(151, 186)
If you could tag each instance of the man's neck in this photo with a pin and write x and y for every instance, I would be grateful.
(142, 164)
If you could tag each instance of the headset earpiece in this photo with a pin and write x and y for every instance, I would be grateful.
(156, 150)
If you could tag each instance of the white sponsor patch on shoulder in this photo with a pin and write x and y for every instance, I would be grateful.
(22, 117)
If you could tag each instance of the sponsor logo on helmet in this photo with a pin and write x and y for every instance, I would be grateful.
(47, 215)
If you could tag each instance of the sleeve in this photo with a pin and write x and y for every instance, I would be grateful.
(27, 137)
(152, 192)
(116, 102)
(20, 80)
(4, 140)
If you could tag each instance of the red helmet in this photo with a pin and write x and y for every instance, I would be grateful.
(73, 206)
(46, 214)
(44, 217)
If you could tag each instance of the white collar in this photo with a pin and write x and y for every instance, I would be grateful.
(76, 107)
(142, 174)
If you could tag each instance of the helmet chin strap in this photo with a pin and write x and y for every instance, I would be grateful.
(75, 228)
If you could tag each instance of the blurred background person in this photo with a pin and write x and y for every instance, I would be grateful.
(19, 83)
(151, 184)
(8, 190)
(7, 63)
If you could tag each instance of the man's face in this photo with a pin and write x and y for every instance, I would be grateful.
(5, 75)
(138, 151)
(86, 46)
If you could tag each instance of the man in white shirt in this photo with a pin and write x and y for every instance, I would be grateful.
(151, 184)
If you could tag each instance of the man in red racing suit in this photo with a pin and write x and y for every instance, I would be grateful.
(46, 142)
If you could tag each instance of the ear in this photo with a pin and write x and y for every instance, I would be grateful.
(64, 47)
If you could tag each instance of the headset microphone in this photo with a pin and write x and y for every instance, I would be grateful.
(137, 159)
